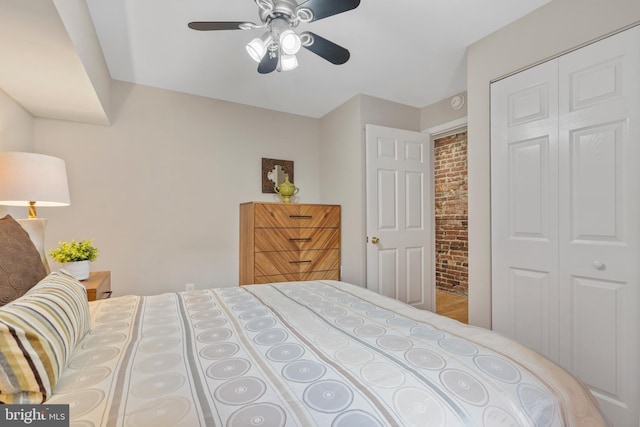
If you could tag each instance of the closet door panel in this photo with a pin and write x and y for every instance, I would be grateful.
(565, 186)
(595, 183)
(530, 293)
(524, 207)
(528, 182)
(597, 310)
(599, 251)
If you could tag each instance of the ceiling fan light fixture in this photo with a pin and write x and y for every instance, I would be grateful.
(290, 42)
(278, 46)
(257, 47)
(288, 62)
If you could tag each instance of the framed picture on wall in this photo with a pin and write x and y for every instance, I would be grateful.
(274, 172)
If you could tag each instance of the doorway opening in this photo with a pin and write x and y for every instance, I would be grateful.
(451, 226)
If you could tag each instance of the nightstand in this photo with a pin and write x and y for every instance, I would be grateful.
(98, 285)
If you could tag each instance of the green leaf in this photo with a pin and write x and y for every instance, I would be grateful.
(74, 251)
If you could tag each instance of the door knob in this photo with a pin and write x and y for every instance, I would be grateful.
(374, 240)
(599, 265)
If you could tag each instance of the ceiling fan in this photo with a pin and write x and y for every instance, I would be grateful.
(276, 49)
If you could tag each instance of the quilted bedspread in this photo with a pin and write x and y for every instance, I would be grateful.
(306, 354)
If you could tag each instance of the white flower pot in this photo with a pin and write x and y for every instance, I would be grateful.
(78, 269)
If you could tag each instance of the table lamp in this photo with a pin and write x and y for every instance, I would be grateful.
(30, 179)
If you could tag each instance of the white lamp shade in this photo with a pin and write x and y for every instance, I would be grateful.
(288, 62)
(31, 177)
(290, 42)
(256, 49)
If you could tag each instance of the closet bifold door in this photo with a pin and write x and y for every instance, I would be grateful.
(599, 221)
(565, 182)
(524, 203)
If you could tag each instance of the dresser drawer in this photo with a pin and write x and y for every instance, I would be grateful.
(293, 239)
(319, 216)
(272, 263)
(277, 278)
(292, 216)
(295, 262)
(320, 260)
(313, 275)
(274, 216)
(321, 275)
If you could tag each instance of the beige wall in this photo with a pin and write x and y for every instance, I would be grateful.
(342, 168)
(554, 28)
(16, 134)
(376, 111)
(441, 112)
(16, 125)
(159, 189)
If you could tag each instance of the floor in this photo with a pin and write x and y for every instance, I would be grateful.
(452, 305)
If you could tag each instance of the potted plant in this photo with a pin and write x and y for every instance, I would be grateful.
(75, 257)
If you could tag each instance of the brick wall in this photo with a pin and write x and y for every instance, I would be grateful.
(450, 171)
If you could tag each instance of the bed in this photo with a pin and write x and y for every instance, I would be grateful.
(323, 353)
(319, 353)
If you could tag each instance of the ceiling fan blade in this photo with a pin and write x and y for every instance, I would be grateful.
(324, 8)
(220, 25)
(324, 48)
(269, 62)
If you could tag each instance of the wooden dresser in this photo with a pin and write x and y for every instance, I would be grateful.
(282, 242)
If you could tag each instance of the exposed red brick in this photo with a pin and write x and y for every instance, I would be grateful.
(451, 236)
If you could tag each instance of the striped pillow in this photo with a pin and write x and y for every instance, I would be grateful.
(38, 332)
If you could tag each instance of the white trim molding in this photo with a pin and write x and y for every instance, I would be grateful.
(448, 128)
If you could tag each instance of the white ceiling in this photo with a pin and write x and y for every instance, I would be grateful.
(408, 51)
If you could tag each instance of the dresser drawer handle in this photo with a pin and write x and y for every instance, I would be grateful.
(300, 239)
(301, 216)
(300, 262)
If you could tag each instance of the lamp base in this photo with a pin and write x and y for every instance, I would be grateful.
(35, 227)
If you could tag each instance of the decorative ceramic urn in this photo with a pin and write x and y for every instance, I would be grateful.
(286, 190)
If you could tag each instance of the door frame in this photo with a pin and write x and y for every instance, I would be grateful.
(436, 132)
(447, 129)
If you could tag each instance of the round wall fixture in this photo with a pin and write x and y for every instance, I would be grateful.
(457, 102)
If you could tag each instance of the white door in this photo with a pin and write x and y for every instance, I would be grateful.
(566, 216)
(524, 204)
(599, 220)
(399, 215)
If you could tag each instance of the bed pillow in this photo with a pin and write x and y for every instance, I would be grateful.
(20, 264)
(38, 333)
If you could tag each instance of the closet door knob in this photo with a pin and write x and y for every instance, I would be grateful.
(375, 240)
(599, 265)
